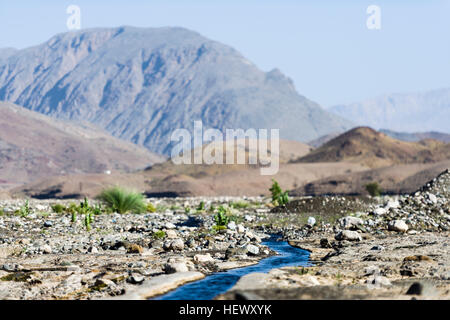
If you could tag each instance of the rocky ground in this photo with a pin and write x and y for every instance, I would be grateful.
(391, 247)
(44, 255)
(396, 249)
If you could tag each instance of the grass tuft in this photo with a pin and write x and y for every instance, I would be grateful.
(123, 201)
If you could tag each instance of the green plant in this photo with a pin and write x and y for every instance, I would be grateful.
(159, 235)
(74, 216)
(221, 218)
(201, 206)
(58, 208)
(187, 210)
(87, 221)
(123, 201)
(151, 208)
(374, 189)
(25, 210)
(240, 205)
(279, 197)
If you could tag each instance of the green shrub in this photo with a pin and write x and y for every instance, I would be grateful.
(159, 235)
(374, 189)
(279, 197)
(25, 210)
(221, 218)
(123, 201)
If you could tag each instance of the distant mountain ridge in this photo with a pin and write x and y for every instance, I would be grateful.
(409, 112)
(141, 84)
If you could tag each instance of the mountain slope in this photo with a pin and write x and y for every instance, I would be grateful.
(141, 84)
(416, 112)
(33, 146)
(374, 149)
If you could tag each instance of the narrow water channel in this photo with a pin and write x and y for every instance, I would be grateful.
(220, 282)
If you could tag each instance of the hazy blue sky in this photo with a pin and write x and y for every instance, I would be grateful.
(324, 46)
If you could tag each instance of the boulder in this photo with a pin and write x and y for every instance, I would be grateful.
(348, 235)
(398, 225)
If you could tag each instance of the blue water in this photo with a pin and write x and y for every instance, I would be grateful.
(220, 282)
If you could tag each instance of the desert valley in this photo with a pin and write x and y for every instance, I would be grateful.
(93, 207)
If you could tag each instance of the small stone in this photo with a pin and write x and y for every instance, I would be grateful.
(432, 198)
(171, 234)
(311, 221)
(135, 248)
(48, 224)
(46, 249)
(240, 228)
(231, 225)
(398, 225)
(176, 244)
(379, 211)
(169, 226)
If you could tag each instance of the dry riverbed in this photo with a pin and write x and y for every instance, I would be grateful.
(391, 247)
(398, 249)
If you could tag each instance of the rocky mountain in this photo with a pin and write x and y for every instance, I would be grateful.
(141, 84)
(34, 146)
(416, 112)
(374, 149)
(417, 136)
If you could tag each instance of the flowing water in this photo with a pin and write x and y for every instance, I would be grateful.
(220, 282)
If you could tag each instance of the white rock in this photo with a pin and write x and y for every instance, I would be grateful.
(398, 225)
(231, 225)
(202, 258)
(379, 211)
(392, 204)
(348, 235)
(171, 234)
(46, 249)
(240, 228)
(432, 198)
(252, 249)
(169, 225)
(311, 221)
(177, 244)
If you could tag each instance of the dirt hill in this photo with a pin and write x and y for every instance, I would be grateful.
(374, 149)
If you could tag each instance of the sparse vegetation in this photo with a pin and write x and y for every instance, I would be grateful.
(151, 208)
(25, 210)
(58, 208)
(159, 235)
(279, 197)
(240, 205)
(201, 206)
(123, 201)
(374, 189)
(221, 218)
